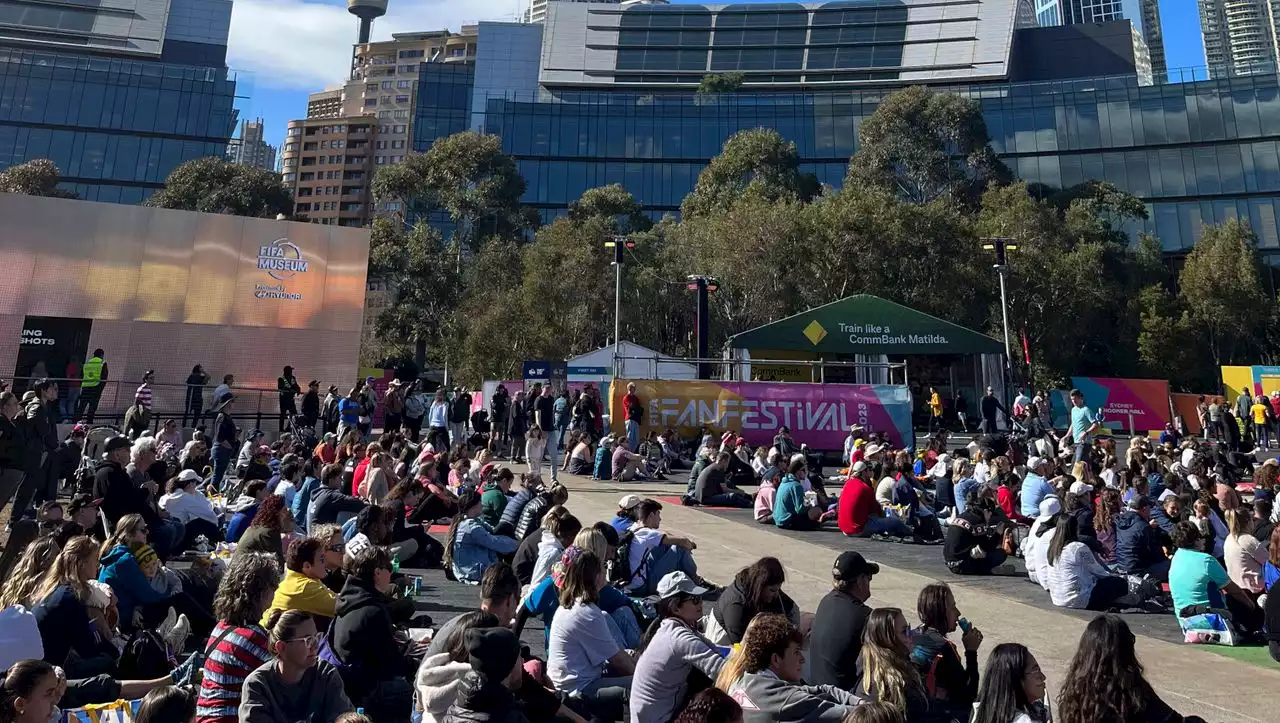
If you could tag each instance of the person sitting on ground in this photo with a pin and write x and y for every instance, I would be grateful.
(302, 587)
(1035, 548)
(1242, 552)
(581, 643)
(626, 466)
(671, 651)
(238, 644)
(791, 510)
(244, 508)
(557, 534)
(1199, 584)
(530, 487)
(185, 503)
(1035, 487)
(1105, 680)
(296, 685)
(471, 546)
(1139, 543)
(122, 571)
(1078, 579)
(756, 589)
(626, 515)
(329, 504)
(532, 514)
(835, 640)
(887, 673)
(427, 552)
(972, 545)
(1167, 514)
(168, 704)
(858, 513)
(61, 610)
(766, 495)
(1013, 688)
(379, 480)
(765, 671)
(706, 453)
(287, 485)
(543, 599)
(955, 682)
(580, 455)
(526, 557)
(494, 496)
(375, 665)
(487, 691)
(652, 553)
(440, 673)
(265, 533)
(711, 489)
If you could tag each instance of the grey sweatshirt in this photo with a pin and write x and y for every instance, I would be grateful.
(765, 698)
(318, 696)
(658, 686)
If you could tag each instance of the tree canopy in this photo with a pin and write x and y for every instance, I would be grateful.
(39, 177)
(214, 185)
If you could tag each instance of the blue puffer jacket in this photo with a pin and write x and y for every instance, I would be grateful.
(1137, 544)
(121, 571)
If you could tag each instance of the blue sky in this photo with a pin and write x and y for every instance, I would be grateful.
(284, 49)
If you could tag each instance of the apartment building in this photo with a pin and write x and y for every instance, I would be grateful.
(329, 164)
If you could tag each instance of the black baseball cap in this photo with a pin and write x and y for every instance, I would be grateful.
(115, 443)
(849, 565)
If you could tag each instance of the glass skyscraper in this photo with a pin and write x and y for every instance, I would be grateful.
(1059, 109)
(117, 94)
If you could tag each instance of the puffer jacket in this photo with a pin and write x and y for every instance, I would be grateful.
(480, 701)
(437, 685)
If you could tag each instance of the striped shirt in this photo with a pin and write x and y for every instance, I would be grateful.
(237, 654)
(142, 397)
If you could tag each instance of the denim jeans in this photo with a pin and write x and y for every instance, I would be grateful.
(891, 526)
(221, 460)
(633, 434)
(625, 629)
(553, 453)
(603, 699)
(664, 560)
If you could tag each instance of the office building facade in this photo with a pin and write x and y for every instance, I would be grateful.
(1144, 15)
(1063, 105)
(117, 93)
(251, 148)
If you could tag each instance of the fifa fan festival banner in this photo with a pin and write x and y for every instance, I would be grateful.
(818, 415)
(1144, 401)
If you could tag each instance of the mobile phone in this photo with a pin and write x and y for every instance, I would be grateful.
(965, 625)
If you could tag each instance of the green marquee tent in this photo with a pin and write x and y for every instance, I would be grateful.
(865, 324)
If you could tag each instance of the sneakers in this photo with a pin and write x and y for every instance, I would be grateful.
(1004, 569)
(170, 620)
(177, 636)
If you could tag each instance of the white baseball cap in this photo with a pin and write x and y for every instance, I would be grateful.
(674, 583)
(1034, 462)
(1050, 506)
(629, 501)
(1079, 488)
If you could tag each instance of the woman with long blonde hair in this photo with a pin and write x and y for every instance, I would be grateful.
(767, 666)
(888, 675)
(62, 610)
(37, 559)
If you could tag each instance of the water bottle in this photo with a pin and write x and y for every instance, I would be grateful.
(395, 564)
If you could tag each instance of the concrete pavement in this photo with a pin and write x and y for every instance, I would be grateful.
(1191, 679)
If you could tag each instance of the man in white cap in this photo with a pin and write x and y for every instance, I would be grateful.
(626, 516)
(1035, 486)
(660, 681)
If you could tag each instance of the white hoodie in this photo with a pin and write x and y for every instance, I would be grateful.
(437, 685)
(549, 551)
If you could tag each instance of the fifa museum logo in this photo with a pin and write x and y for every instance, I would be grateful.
(282, 260)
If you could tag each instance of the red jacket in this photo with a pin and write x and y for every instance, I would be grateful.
(856, 505)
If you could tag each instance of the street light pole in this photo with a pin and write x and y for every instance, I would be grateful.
(1000, 246)
(618, 244)
(1002, 269)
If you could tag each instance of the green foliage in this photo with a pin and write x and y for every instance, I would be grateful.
(212, 185)
(713, 83)
(921, 146)
(421, 283)
(39, 177)
(1222, 291)
(758, 165)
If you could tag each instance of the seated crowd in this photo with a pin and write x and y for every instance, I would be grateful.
(274, 594)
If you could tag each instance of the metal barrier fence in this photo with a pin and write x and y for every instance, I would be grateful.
(254, 407)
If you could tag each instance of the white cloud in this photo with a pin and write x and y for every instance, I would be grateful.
(306, 45)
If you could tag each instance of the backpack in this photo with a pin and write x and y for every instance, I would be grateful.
(620, 571)
(146, 656)
(603, 464)
(413, 406)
